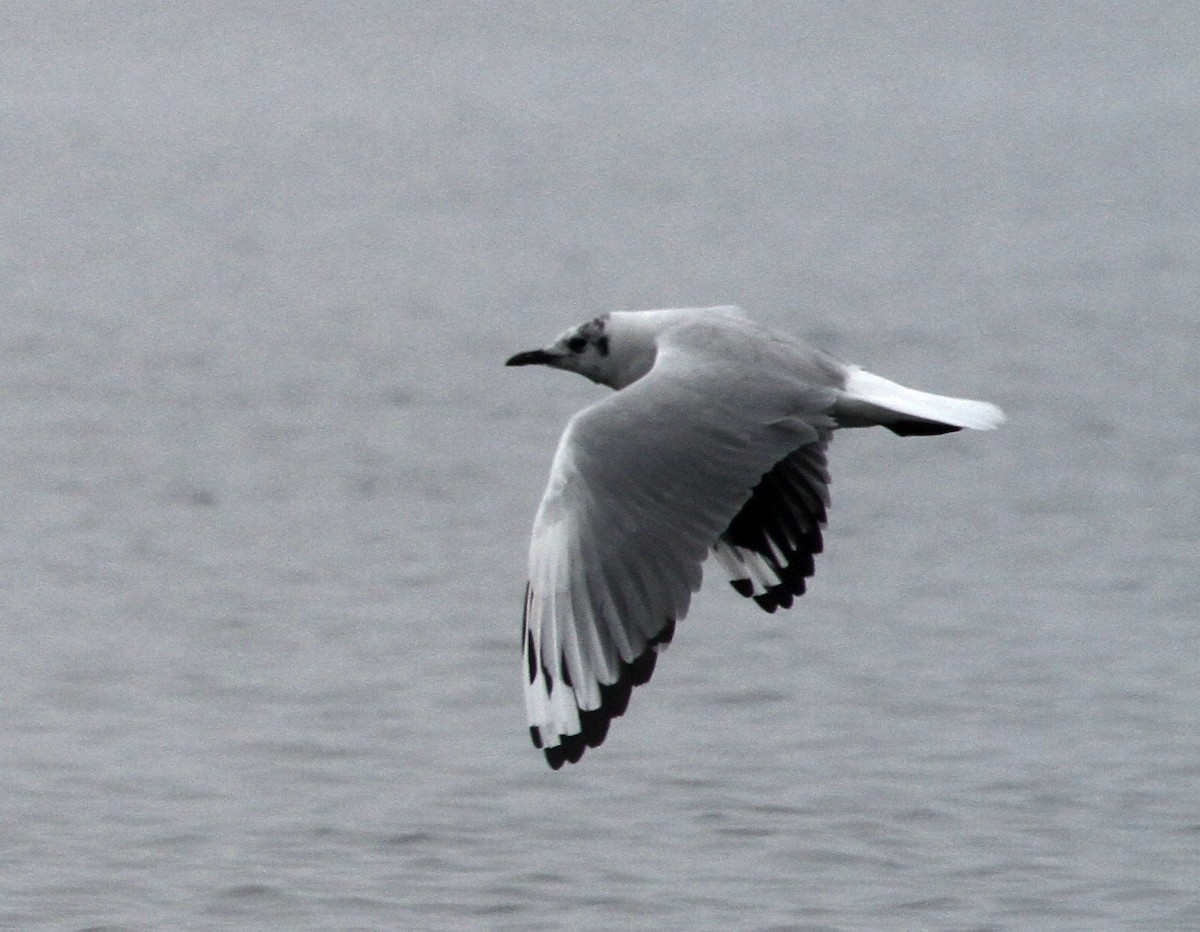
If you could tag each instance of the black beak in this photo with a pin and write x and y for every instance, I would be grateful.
(531, 358)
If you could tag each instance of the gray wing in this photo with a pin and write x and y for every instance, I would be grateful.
(642, 486)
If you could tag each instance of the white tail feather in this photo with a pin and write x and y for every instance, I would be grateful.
(872, 399)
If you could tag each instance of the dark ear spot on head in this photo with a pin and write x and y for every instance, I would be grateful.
(602, 345)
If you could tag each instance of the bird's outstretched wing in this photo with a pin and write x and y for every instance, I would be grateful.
(768, 548)
(643, 484)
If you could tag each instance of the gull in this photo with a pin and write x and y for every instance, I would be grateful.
(713, 442)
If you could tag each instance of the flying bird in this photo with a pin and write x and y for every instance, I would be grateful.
(713, 442)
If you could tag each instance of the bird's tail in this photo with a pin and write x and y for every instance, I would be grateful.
(869, 399)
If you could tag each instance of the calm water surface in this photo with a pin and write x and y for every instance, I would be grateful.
(267, 486)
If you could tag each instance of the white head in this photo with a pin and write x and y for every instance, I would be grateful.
(611, 349)
(619, 348)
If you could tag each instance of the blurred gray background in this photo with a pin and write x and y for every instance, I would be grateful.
(267, 486)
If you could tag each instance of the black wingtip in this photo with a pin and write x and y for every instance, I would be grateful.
(614, 700)
(569, 750)
(766, 602)
(916, 428)
(593, 728)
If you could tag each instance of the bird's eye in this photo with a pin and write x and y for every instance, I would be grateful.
(576, 344)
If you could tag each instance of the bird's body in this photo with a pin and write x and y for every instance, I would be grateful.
(714, 442)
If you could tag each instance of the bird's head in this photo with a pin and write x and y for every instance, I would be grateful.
(617, 349)
(601, 349)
